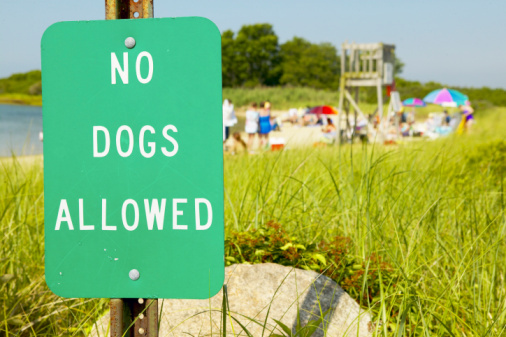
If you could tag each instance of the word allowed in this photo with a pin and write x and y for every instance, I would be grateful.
(154, 212)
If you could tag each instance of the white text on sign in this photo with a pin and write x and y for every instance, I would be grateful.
(103, 132)
(123, 71)
(154, 211)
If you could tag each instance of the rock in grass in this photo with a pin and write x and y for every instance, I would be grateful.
(258, 296)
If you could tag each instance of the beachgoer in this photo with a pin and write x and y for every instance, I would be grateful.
(239, 146)
(362, 128)
(405, 129)
(229, 118)
(467, 119)
(276, 123)
(430, 127)
(329, 127)
(292, 116)
(430, 124)
(328, 132)
(251, 126)
(309, 120)
(264, 122)
(446, 118)
(403, 117)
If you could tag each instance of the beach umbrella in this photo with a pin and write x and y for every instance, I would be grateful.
(414, 102)
(446, 97)
(323, 110)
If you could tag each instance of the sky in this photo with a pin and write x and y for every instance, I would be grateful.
(455, 42)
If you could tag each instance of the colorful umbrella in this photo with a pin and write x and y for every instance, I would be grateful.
(413, 102)
(446, 97)
(323, 109)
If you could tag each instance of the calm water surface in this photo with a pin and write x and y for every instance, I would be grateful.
(20, 126)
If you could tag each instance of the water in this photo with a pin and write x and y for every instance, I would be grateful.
(20, 126)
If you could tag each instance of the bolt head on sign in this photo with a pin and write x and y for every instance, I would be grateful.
(133, 158)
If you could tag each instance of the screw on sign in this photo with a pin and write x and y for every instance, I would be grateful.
(133, 165)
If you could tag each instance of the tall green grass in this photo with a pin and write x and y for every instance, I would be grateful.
(433, 210)
(27, 306)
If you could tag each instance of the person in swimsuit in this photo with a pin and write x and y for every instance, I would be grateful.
(467, 119)
(264, 122)
(251, 126)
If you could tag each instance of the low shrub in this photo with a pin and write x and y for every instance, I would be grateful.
(362, 279)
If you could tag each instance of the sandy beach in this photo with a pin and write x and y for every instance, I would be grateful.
(23, 160)
(294, 136)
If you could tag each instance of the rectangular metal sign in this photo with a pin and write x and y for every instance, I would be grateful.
(133, 159)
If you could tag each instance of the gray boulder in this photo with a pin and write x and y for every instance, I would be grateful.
(258, 295)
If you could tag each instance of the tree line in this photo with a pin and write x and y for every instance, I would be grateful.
(22, 83)
(253, 57)
(481, 98)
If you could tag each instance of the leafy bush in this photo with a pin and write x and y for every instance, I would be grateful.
(23, 83)
(272, 243)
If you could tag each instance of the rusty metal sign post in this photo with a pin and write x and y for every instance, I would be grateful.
(132, 317)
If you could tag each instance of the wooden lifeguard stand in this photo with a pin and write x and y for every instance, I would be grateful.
(363, 65)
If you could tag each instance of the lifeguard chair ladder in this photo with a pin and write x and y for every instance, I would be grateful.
(363, 65)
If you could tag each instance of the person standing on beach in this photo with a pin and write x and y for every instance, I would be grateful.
(229, 118)
(446, 118)
(251, 126)
(264, 123)
(467, 119)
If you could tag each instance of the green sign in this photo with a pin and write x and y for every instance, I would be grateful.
(133, 158)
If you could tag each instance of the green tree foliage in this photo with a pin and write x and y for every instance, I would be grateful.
(23, 83)
(228, 59)
(309, 65)
(256, 60)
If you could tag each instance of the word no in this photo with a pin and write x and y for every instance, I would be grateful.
(123, 71)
